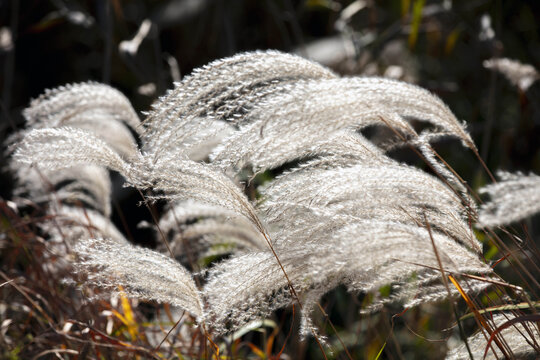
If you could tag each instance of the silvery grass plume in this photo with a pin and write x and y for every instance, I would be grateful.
(222, 90)
(516, 197)
(94, 110)
(71, 222)
(67, 226)
(88, 186)
(310, 110)
(520, 75)
(97, 108)
(518, 335)
(252, 285)
(196, 231)
(346, 213)
(142, 273)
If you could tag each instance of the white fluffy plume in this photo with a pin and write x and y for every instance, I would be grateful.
(519, 74)
(516, 197)
(142, 273)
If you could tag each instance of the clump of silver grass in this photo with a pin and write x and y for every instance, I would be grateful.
(346, 214)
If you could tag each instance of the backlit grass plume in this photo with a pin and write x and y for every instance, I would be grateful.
(143, 274)
(519, 74)
(516, 197)
(94, 108)
(518, 335)
(338, 212)
(75, 197)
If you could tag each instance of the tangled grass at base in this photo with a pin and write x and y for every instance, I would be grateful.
(262, 162)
